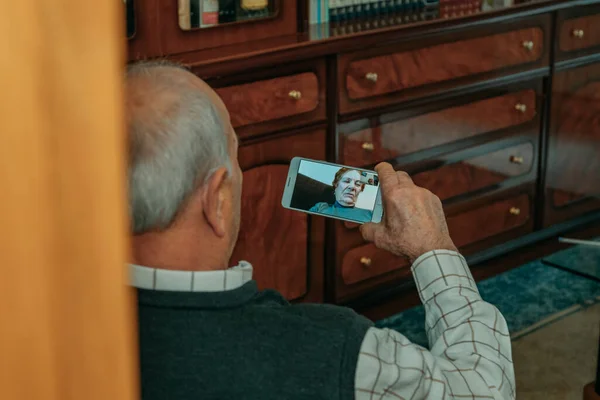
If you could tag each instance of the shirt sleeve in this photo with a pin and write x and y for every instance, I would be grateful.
(470, 356)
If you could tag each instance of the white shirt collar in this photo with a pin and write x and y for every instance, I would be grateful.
(187, 281)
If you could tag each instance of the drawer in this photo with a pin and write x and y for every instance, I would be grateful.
(368, 261)
(377, 77)
(489, 220)
(391, 136)
(274, 99)
(365, 266)
(478, 173)
(271, 99)
(579, 33)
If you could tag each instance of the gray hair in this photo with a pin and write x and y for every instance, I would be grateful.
(174, 145)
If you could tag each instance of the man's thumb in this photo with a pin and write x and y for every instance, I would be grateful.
(368, 231)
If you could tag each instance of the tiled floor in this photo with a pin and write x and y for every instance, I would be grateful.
(557, 361)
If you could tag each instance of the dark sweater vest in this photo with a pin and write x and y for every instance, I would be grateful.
(245, 344)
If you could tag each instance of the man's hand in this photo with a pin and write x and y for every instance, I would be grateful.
(413, 221)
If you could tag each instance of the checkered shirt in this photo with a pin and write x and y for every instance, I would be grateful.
(470, 356)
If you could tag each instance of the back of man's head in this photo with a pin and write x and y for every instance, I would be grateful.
(177, 139)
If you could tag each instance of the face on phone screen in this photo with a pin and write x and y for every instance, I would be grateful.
(335, 191)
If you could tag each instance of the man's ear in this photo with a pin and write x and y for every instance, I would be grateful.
(215, 196)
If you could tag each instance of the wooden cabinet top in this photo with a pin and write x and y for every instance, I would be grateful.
(315, 40)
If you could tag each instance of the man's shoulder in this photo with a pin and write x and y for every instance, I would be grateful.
(329, 314)
(314, 312)
(319, 207)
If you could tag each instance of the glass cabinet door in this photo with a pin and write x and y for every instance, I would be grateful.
(573, 168)
(198, 14)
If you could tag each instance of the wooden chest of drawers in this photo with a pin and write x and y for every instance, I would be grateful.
(474, 154)
(494, 112)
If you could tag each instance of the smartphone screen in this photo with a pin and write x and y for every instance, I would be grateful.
(335, 191)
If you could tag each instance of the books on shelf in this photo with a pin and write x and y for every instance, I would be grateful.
(458, 8)
(319, 11)
(385, 20)
(323, 11)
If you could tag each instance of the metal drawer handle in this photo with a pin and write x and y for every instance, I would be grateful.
(368, 146)
(366, 261)
(521, 107)
(514, 211)
(372, 76)
(578, 33)
(296, 95)
(528, 44)
(516, 159)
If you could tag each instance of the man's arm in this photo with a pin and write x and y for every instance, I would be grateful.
(470, 356)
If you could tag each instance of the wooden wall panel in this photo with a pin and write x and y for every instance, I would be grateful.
(66, 312)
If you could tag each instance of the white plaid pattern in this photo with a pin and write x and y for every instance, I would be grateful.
(470, 355)
(187, 281)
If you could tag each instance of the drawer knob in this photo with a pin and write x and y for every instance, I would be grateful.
(521, 107)
(296, 95)
(368, 146)
(528, 44)
(514, 211)
(516, 159)
(578, 33)
(366, 261)
(372, 76)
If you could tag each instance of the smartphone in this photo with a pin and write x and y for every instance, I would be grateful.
(332, 190)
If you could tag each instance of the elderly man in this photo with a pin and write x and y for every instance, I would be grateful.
(206, 332)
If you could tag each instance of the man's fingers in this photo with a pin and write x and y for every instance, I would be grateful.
(387, 176)
(404, 179)
(369, 231)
